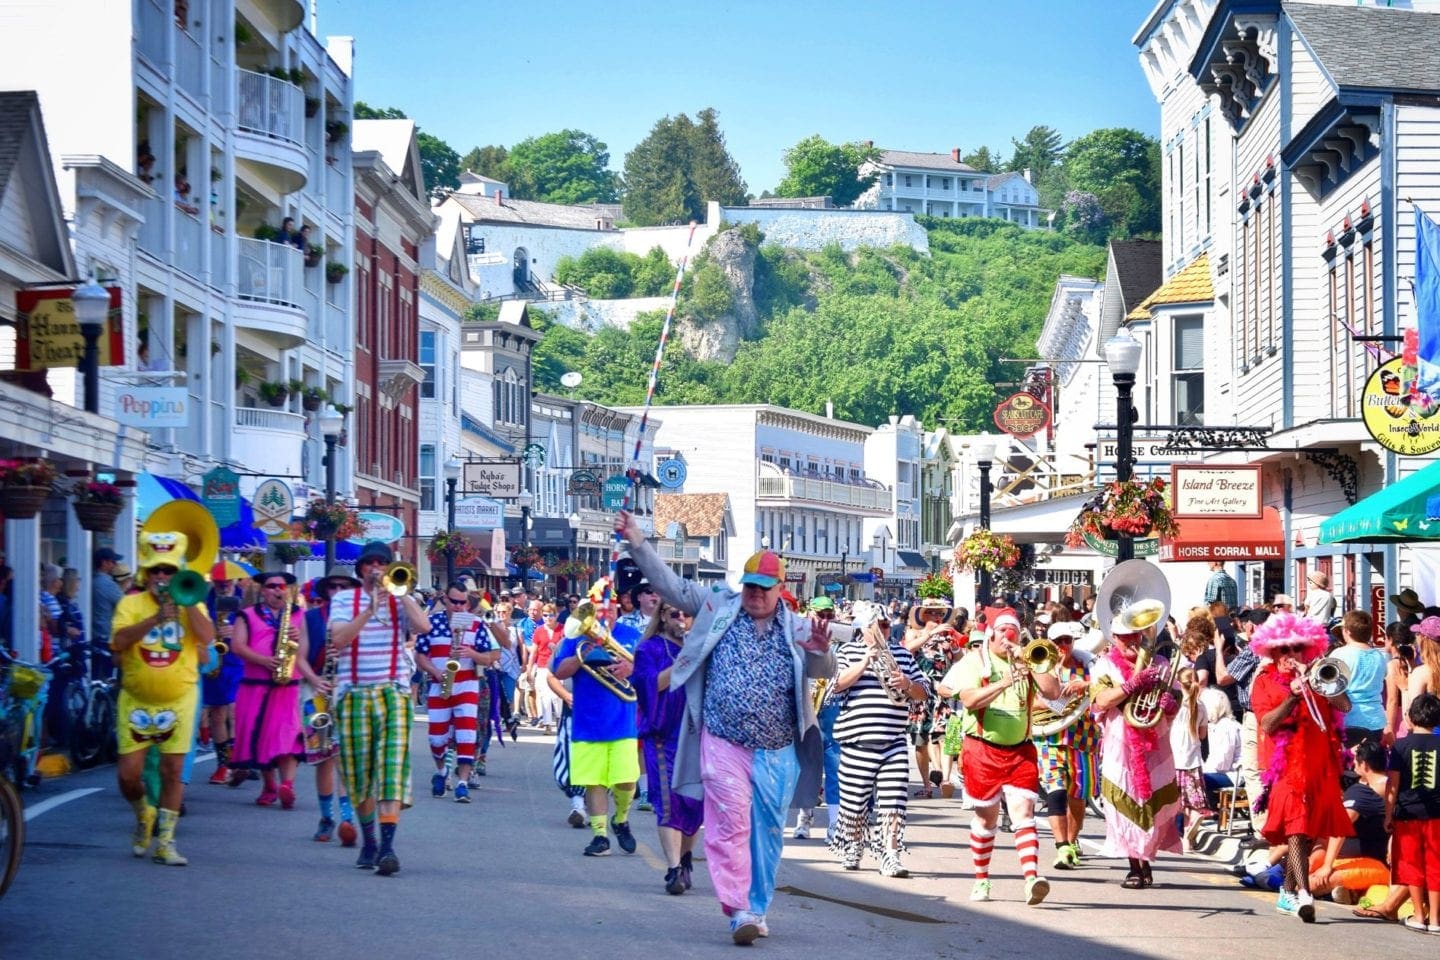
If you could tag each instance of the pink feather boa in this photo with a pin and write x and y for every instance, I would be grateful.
(1139, 741)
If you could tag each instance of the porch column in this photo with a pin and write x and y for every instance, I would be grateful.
(22, 546)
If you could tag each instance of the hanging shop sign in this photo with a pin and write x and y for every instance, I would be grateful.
(478, 513)
(534, 454)
(152, 408)
(1021, 415)
(1400, 421)
(1144, 547)
(616, 488)
(584, 483)
(671, 473)
(47, 335)
(274, 505)
(492, 478)
(378, 526)
(220, 491)
(1211, 490)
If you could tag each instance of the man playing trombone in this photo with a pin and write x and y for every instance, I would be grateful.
(370, 628)
(998, 692)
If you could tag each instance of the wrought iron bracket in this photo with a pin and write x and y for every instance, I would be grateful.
(1342, 468)
(1183, 438)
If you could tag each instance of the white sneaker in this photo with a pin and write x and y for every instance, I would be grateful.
(890, 865)
(980, 892)
(745, 927)
(760, 922)
(802, 825)
(1305, 906)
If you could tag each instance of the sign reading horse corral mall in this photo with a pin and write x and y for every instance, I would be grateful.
(1212, 490)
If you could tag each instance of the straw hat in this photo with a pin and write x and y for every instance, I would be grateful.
(931, 603)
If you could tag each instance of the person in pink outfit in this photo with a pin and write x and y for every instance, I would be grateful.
(268, 732)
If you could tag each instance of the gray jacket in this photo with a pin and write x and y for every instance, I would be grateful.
(714, 609)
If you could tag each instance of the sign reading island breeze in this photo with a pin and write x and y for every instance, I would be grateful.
(1214, 490)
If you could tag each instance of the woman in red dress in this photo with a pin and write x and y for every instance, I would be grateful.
(1299, 752)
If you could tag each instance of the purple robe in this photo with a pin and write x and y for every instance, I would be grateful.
(659, 716)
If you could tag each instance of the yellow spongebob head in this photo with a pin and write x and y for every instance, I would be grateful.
(163, 550)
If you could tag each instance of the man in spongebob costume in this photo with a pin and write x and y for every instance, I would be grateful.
(157, 647)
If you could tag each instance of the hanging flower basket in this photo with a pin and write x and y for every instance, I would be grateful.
(573, 569)
(1130, 508)
(527, 557)
(24, 487)
(987, 551)
(326, 518)
(446, 543)
(291, 551)
(96, 517)
(936, 586)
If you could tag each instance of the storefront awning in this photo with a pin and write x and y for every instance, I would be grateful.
(911, 559)
(1226, 539)
(1396, 514)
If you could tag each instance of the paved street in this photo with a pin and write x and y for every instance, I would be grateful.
(507, 870)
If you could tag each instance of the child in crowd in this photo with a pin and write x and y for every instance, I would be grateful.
(1413, 810)
(1186, 732)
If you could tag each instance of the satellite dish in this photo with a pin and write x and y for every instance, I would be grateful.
(571, 380)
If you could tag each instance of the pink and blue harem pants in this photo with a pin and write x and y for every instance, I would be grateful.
(747, 794)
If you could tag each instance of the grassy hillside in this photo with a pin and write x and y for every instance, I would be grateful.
(877, 332)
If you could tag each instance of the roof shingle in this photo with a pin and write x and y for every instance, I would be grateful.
(1190, 285)
(703, 514)
(925, 161)
(1372, 47)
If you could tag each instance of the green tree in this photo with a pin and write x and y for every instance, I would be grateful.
(489, 161)
(815, 167)
(565, 167)
(363, 111)
(982, 159)
(677, 168)
(1039, 151)
(1121, 167)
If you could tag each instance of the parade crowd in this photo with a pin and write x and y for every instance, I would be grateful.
(730, 707)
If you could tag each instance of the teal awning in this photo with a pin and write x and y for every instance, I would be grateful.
(1396, 514)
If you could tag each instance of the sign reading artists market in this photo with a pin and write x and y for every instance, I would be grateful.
(1400, 421)
(1213, 490)
(1021, 415)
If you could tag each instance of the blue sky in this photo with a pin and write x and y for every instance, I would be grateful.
(925, 75)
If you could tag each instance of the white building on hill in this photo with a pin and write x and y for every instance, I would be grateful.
(941, 185)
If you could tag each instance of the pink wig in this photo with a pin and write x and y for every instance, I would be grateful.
(1287, 629)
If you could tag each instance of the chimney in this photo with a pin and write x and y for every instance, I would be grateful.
(869, 144)
(829, 410)
(955, 154)
(499, 198)
(1028, 178)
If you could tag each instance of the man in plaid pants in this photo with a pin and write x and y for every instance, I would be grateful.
(371, 631)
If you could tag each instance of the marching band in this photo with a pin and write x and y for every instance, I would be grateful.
(737, 707)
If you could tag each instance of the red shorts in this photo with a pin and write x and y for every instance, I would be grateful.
(1417, 853)
(989, 769)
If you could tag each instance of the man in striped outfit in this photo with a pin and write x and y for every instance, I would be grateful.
(370, 630)
(459, 711)
(998, 693)
(874, 752)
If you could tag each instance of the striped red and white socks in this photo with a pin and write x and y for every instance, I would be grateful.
(982, 842)
(1027, 845)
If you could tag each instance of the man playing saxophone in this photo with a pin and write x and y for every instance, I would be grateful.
(998, 692)
(370, 628)
(269, 640)
(880, 681)
(1067, 744)
(322, 749)
(456, 639)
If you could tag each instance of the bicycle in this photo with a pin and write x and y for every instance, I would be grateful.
(16, 683)
(22, 705)
(85, 709)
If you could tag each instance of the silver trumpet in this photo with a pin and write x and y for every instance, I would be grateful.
(1328, 677)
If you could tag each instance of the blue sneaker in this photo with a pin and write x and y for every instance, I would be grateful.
(437, 785)
(623, 836)
(1286, 903)
(366, 860)
(462, 793)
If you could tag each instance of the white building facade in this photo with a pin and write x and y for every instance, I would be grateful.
(941, 185)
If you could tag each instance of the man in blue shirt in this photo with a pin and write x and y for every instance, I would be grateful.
(604, 741)
(1221, 586)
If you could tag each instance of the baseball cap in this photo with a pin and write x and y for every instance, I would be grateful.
(105, 553)
(822, 603)
(764, 569)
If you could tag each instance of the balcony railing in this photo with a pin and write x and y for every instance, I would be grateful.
(272, 272)
(282, 421)
(337, 336)
(190, 236)
(154, 33)
(219, 260)
(825, 491)
(190, 62)
(270, 107)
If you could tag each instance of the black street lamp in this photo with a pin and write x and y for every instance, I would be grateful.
(453, 467)
(1122, 356)
(332, 423)
(844, 556)
(91, 303)
(984, 449)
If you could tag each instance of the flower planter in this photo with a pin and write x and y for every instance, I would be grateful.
(97, 517)
(277, 399)
(22, 502)
(311, 403)
(313, 260)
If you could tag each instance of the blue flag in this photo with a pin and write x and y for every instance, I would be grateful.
(1427, 302)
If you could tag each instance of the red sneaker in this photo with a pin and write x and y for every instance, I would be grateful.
(287, 796)
(267, 799)
(348, 834)
(221, 776)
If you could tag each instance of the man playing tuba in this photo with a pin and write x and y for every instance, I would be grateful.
(158, 644)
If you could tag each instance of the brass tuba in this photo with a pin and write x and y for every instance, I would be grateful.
(191, 583)
(1328, 676)
(583, 623)
(1135, 598)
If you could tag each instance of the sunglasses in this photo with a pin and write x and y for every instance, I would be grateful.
(276, 586)
(675, 615)
(461, 601)
(549, 616)
(826, 614)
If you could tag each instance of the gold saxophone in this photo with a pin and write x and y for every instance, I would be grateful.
(286, 647)
(460, 624)
(322, 723)
(819, 693)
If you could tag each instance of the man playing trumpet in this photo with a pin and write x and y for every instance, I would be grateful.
(998, 691)
(456, 638)
(370, 628)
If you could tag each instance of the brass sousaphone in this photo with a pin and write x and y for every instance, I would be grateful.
(1135, 598)
(191, 583)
